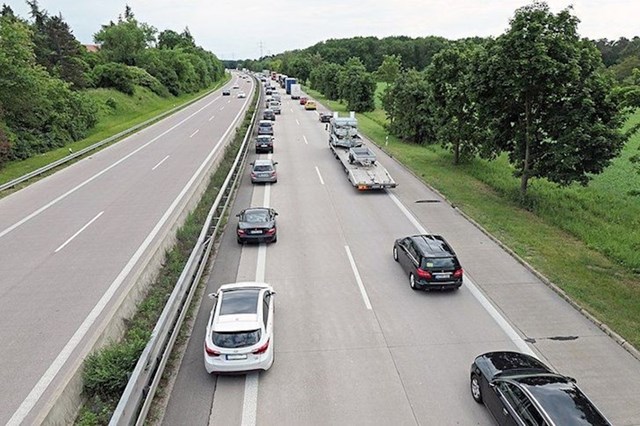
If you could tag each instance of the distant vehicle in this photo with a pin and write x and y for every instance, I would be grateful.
(303, 100)
(268, 91)
(267, 100)
(310, 106)
(257, 224)
(275, 96)
(265, 127)
(519, 389)
(264, 171)
(275, 106)
(235, 86)
(268, 115)
(226, 92)
(241, 94)
(296, 91)
(325, 117)
(239, 334)
(430, 262)
(264, 143)
(287, 84)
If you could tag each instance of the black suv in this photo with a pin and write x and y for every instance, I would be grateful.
(268, 114)
(430, 262)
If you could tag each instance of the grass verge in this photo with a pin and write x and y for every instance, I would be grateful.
(117, 112)
(585, 240)
(107, 370)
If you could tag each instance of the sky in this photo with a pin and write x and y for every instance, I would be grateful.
(248, 29)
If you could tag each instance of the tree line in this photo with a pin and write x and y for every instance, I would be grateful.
(539, 92)
(45, 73)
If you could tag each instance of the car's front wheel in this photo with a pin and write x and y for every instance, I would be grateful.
(476, 391)
(395, 253)
(239, 240)
(412, 281)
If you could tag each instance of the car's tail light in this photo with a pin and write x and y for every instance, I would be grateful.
(424, 274)
(241, 232)
(273, 173)
(210, 351)
(458, 273)
(262, 349)
(253, 175)
(271, 231)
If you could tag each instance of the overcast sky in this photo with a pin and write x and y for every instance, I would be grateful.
(246, 28)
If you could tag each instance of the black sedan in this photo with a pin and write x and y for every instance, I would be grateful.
(519, 389)
(257, 224)
(226, 92)
(325, 117)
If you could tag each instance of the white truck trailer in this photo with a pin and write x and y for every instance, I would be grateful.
(359, 161)
(296, 90)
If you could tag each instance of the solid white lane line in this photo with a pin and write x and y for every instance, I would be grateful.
(55, 367)
(297, 122)
(250, 400)
(261, 265)
(92, 178)
(194, 133)
(363, 291)
(319, 175)
(305, 139)
(79, 231)
(212, 117)
(161, 161)
(511, 333)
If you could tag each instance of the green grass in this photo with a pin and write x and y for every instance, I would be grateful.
(128, 111)
(585, 240)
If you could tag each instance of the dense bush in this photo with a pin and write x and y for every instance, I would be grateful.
(142, 78)
(114, 75)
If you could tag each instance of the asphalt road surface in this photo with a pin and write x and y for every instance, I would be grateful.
(69, 242)
(354, 345)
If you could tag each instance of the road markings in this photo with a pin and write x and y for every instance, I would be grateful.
(221, 108)
(305, 139)
(194, 133)
(363, 291)
(97, 175)
(79, 231)
(297, 122)
(212, 117)
(511, 333)
(319, 175)
(36, 393)
(291, 109)
(161, 161)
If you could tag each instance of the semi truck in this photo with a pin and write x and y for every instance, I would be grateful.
(287, 84)
(295, 91)
(358, 161)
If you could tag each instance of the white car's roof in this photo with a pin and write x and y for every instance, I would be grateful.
(245, 284)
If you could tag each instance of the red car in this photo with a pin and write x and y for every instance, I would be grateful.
(303, 100)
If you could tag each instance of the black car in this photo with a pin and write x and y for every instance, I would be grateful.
(268, 114)
(264, 143)
(226, 93)
(519, 389)
(257, 224)
(325, 117)
(430, 262)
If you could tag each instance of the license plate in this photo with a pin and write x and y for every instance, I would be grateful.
(264, 175)
(232, 357)
(442, 275)
(256, 232)
(264, 145)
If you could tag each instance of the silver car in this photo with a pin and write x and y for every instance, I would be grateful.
(264, 171)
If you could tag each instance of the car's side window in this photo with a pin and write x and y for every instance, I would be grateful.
(521, 404)
(265, 308)
(413, 252)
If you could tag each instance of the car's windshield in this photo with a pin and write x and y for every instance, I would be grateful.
(438, 263)
(256, 216)
(236, 339)
(262, 168)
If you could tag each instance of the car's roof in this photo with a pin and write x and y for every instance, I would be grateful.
(432, 245)
(253, 209)
(265, 122)
(562, 400)
(263, 162)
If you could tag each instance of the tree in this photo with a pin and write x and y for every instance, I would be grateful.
(357, 86)
(125, 41)
(389, 69)
(545, 96)
(455, 114)
(407, 104)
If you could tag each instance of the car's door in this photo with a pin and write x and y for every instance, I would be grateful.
(413, 258)
(515, 407)
(403, 256)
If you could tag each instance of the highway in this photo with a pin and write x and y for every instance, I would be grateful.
(73, 243)
(354, 345)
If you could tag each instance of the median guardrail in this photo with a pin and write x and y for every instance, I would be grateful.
(134, 404)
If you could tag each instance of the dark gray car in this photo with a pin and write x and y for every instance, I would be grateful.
(258, 225)
(264, 143)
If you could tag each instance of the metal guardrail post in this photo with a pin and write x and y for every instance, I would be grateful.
(138, 395)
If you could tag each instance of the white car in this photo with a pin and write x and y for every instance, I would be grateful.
(242, 95)
(239, 336)
(235, 86)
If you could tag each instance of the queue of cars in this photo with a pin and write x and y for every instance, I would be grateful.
(516, 388)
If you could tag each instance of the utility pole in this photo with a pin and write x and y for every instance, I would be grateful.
(261, 47)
